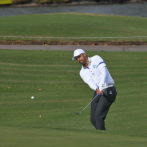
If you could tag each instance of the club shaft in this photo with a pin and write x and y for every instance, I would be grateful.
(89, 103)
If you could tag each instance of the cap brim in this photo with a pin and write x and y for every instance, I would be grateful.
(73, 58)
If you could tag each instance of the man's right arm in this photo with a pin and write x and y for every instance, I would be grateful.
(87, 79)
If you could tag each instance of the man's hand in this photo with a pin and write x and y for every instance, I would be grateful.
(98, 91)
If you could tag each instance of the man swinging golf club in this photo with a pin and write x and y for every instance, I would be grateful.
(95, 73)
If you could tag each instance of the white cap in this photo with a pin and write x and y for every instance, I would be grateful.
(77, 52)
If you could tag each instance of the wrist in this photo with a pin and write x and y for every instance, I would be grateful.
(97, 90)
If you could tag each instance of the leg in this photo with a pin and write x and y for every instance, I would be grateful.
(93, 109)
(101, 112)
(103, 106)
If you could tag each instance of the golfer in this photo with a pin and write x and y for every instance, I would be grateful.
(94, 72)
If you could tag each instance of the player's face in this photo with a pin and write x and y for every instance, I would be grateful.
(81, 58)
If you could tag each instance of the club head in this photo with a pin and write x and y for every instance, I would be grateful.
(76, 113)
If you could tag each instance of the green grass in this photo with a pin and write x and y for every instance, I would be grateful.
(68, 25)
(64, 92)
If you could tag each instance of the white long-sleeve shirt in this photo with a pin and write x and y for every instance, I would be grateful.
(96, 75)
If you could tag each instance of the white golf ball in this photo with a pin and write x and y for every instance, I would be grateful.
(32, 97)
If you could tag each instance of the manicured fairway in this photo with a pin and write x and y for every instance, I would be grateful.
(24, 72)
(73, 27)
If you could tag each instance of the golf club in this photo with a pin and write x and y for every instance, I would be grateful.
(87, 105)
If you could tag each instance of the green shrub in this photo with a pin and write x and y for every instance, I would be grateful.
(51, 1)
(44, 1)
(20, 1)
(40, 1)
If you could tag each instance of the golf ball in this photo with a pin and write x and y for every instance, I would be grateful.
(32, 97)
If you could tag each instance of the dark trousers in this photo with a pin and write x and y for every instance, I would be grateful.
(100, 107)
